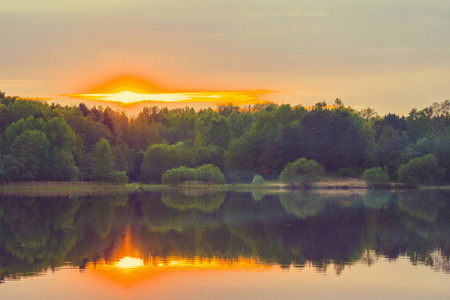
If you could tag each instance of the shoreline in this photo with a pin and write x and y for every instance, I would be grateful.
(62, 188)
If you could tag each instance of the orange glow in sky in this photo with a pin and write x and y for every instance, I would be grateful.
(130, 90)
(128, 97)
(127, 83)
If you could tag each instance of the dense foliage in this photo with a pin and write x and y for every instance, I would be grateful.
(376, 177)
(204, 174)
(302, 172)
(421, 170)
(258, 179)
(42, 142)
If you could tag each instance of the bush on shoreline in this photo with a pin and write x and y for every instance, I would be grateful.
(424, 170)
(377, 177)
(206, 173)
(302, 173)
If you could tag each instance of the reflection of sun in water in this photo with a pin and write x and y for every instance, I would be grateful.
(129, 268)
(129, 272)
(130, 262)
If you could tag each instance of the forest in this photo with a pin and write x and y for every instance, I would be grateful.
(43, 142)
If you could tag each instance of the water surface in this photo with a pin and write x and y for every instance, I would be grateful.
(197, 244)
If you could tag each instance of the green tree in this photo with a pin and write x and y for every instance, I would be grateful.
(16, 128)
(211, 155)
(241, 157)
(22, 109)
(368, 114)
(424, 170)
(341, 128)
(290, 144)
(124, 158)
(158, 159)
(103, 161)
(119, 177)
(219, 133)
(63, 166)
(187, 155)
(236, 124)
(302, 172)
(419, 125)
(442, 152)
(178, 176)
(227, 109)
(87, 128)
(206, 173)
(258, 180)
(31, 148)
(4, 117)
(266, 122)
(389, 146)
(59, 134)
(142, 134)
(11, 168)
(376, 177)
(210, 173)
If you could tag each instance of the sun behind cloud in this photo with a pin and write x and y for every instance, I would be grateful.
(129, 84)
(128, 90)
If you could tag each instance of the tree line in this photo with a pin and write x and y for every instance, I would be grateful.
(43, 142)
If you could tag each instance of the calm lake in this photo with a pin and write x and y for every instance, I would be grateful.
(191, 244)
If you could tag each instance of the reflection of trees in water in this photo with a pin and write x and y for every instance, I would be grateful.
(102, 210)
(29, 227)
(100, 224)
(377, 199)
(438, 262)
(369, 257)
(407, 226)
(196, 199)
(293, 229)
(422, 204)
(285, 238)
(427, 218)
(40, 232)
(258, 195)
(302, 204)
(241, 209)
(162, 212)
(35, 232)
(254, 228)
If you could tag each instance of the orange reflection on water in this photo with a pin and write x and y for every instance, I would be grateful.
(130, 262)
(132, 271)
(174, 262)
(129, 268)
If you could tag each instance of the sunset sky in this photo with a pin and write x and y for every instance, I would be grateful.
(389, 55)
